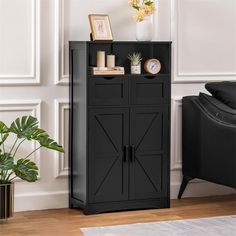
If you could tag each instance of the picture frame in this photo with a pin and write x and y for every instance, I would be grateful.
(100, 27)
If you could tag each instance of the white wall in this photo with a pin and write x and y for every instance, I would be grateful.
(203, 34)
(27, 86)
(34, 38)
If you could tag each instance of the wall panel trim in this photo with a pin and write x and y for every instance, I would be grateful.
(182, 77)
(60, 77)
(61, 105)
(33, 78)
(176, 158)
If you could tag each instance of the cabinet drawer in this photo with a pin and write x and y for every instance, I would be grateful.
(150, 89)
(107, 90)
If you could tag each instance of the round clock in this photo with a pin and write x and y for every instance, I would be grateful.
(152, 66)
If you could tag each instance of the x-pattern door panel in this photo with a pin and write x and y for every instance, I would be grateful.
(147, 141)
(108, 134)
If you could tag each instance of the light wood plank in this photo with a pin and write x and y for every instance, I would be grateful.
(68, 222)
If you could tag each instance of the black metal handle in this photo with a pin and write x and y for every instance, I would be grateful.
(126, 153)
(108, 77)
(150, 76)
(132, 153)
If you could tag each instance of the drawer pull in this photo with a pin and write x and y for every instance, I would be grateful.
(150, 76)
(108, 77)
(126, 153)
(132, 154)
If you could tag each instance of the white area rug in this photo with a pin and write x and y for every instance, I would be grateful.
(216, 226)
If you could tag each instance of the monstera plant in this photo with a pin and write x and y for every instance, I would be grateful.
(12, 165)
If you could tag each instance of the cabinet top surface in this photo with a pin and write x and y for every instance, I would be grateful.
(138, 42)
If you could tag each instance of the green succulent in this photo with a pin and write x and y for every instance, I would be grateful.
(24, 129)
(135, 58)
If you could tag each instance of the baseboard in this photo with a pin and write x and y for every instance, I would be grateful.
(200, 188)
(59, 199)
(41, 201)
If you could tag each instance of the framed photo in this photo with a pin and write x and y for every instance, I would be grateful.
(100, 27)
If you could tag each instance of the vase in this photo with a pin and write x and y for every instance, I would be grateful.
(144, 29)
(6, 200)
(136, 69)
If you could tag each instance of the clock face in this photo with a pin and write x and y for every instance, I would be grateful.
(152, 66)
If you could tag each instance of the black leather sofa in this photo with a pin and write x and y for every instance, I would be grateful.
(209, 136)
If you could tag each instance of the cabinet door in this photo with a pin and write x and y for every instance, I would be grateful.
(150, 89)
(108, 168)
(149, 142)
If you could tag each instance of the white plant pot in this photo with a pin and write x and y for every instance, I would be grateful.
(136, 69)
(144, 29)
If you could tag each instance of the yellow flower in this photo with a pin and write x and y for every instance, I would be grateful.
(143, 8)
(153, 8)
(139, 15)
(134, 2)
(148, 10)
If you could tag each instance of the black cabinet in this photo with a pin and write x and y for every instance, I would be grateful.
(119, 130)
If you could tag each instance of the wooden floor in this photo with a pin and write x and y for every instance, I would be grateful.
(68, 222)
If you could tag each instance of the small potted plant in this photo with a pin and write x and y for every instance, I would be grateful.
(135, 60)
(24, 129)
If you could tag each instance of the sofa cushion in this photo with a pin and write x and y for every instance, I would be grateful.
(223, 91)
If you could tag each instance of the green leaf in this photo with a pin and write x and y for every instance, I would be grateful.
(24, 127)
(38, 133)
(47, 142)
(3, 128)
(6, 161)
(4, 137)
(26, 170)
(148, 2)
(136, 7)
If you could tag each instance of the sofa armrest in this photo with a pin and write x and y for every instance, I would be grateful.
(209, 144)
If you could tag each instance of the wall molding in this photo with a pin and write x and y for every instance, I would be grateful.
(41, 200)
(182, 77)
(34, 106)
(60, 77)
(61, 105)
(176, 158)
(176, 138)
(33, 78)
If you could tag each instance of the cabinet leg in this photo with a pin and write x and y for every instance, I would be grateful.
(184, 183)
